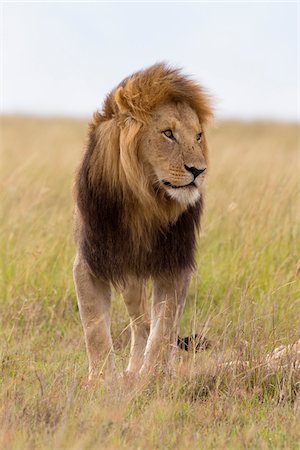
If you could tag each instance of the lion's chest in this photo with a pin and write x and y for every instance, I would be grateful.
(110, 248)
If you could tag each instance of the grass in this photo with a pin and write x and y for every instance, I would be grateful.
(245, 296)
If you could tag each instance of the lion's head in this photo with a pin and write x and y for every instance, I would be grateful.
(173, 149)
(149, 143)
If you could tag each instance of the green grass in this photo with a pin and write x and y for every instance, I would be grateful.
(245, 295)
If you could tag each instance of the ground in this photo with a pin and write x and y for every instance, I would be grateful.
(245, 297)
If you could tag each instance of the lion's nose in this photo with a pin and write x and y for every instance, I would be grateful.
(194, 170)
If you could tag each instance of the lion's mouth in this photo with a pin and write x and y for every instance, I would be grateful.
(167, 183)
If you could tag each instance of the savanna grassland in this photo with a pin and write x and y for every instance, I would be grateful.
(245, 297)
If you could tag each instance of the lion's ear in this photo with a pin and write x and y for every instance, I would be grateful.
(121, 101)
(128, 102)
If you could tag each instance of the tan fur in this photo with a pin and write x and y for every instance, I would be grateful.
(131, 116)
(132, 163)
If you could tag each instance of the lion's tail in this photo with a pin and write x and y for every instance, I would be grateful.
(194, 342)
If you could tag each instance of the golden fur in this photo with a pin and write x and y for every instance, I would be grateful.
(119, 130)
(139, 203)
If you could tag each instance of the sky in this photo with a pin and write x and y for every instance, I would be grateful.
(63, 58)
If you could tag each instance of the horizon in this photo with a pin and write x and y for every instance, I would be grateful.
(246, 55)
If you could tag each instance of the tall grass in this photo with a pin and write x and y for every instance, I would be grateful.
(245, 296)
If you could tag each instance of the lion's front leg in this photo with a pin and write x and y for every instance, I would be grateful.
(135, 299)
(167, 306)
(94, 300)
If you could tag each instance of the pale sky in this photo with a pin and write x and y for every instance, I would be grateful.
(62, 58)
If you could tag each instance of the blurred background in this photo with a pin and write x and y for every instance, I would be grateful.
(62, 58)
(58, 61)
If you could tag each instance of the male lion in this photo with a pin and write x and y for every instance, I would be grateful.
(138, 207)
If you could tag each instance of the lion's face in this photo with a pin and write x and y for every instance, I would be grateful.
(174, 151)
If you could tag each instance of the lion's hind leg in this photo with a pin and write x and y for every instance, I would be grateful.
(94, 301)
(135, 298)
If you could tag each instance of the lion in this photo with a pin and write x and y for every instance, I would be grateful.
(139, 200)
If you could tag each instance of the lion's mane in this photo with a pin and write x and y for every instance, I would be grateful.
(125, 227)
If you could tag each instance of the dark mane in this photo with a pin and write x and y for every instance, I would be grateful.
(107, 242)
(106, 237)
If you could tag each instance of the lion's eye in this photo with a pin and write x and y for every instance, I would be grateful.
(169, 134)
(199, 137)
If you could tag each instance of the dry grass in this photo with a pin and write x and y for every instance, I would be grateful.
(245, 296)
